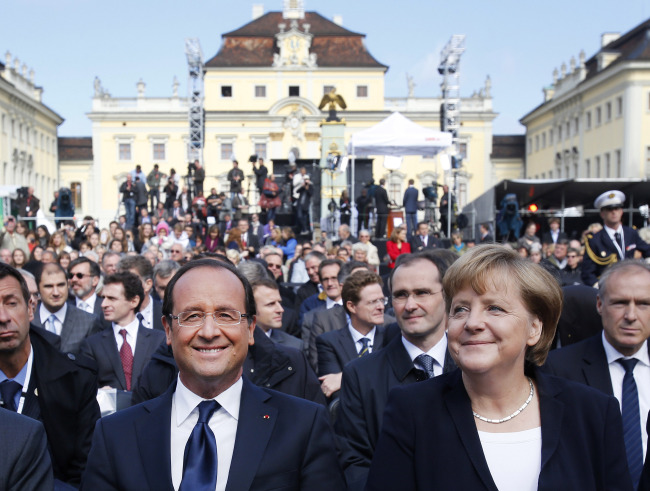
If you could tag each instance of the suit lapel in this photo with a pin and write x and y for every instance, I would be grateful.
(347, 344)
(552, 412)
(68, 325)
(379, 338)
(595, 367)
(113, 356)
(141, 345)
(153, 437)
(254, 428)
(460, 410)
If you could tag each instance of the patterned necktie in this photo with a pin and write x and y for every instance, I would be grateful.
(631, 421)
(8, 391)
(200, 460)
(365, 347)
(126, 355)
(84, 306)
(426, 362)
(51, 322)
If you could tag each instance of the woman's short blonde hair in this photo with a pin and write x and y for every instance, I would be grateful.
(485, 266)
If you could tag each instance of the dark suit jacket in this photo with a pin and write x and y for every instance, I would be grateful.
(281, 443)
(97, 309)
(77, 326)
(381, 200)
(102, 348)
(644, 483)
(579, 318)
(337, 348)
(417, 245)
(547, 238)
(429, 439)
(309, 304)
(306, 290)
(601, 247)
(410, 200)
(364, 392)
(25, 462)
(280, 337)
(584, 362)
(62, 395)
(157, 315)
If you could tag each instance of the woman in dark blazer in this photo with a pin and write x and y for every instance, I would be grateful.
(498, 423)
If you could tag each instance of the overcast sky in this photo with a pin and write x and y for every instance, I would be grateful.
(518, 43)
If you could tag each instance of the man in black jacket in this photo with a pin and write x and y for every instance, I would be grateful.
(381, 204)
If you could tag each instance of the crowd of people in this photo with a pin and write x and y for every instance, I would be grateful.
(422, 366)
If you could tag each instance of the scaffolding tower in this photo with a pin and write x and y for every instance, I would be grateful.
(196, 111)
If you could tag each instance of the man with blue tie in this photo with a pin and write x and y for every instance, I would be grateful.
(213, 429)
(617, 361)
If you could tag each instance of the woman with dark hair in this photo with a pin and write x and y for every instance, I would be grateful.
(37, 253)
(498, 422)
(43, 235)
(18, 258)
(397, 245)
(65, 260)
(212, 239)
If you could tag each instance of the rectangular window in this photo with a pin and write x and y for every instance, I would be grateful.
(598, 167)
(124, 151)
(608, 165)
(559, 133)
(463, 151)
(618, 163)
(550, 137)
(260, 91)
(550, 174)
(226, 91)
(537, 143)
(608, 111)
(619, 107)
(568, 129)
(575, 170)
(544, 140)
(599, 116)
(226, 151)
(588, 120)
(159, 151)
(362, 91)
(260, 150)
(327, 89)
(576, 124)
(294, 91)
(530, 146)
(587, 168)
(75, 187)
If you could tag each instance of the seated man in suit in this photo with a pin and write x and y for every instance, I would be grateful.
(213, 428)
(122, 351)
(422, 239)
(150, 311)
(312, 286)
(58, 316)
(38, 381)
(362, 334)
(268, 304)
(418, 354)
(25, 462)
(617, 361)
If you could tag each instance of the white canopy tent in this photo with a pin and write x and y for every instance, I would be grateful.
(396, 136)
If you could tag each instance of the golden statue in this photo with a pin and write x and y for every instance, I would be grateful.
(333, 99)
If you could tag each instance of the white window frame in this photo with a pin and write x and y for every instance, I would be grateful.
(124, 140)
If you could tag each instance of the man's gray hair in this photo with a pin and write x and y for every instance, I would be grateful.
(165, 268)
(253, 271)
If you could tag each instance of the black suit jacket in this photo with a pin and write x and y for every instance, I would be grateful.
(547, 238)
(600, 247)
(62, 395)
(584, 362)
(278, 336)
(381, 200)
(157, 315)
(102, 348)
(579, 318)
(282, 443)
(25, 462)
(429, 439)
(337, 348)
(77, 326)
(365, 386)
(418, 245)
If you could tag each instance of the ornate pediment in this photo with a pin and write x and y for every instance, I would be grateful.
(294, 47)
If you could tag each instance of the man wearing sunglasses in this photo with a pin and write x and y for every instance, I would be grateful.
(83, 278)
(615, 242)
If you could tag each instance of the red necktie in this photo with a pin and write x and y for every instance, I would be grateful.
(126, 355)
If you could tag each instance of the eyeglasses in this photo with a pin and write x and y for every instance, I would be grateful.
(196, 318)
(377, 301)
(79, 276)
(400, 298)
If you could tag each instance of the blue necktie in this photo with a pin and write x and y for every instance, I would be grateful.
(8, 391)
(426, 362)
(365, 348)
(200, 461)
(631, 421)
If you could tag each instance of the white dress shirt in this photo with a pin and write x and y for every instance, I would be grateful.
(131, 334)
(357, 337)
(611, 232)
(329, 303)
(223, 424)
(641, 377)
(59, 314)
(437, 353)
(89, 303)
(147, 314)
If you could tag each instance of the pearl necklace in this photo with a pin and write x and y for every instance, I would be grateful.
(516, 413)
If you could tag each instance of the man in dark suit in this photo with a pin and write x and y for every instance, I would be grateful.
(363, 302)
(311, 286)
(25, 462)
(250, 241)
(328, 274)
(423, 240)
(447, 220)
(420, 309)
(268, 304)
(55, 388)
(601, 361)
(485, 236)
(554, 234)
(84, 277)
(615, 242)
(344, 234)
(410, 203)
(382, 206)
(260, 439)
(57, 315)
(122, 351)
(150, 311)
